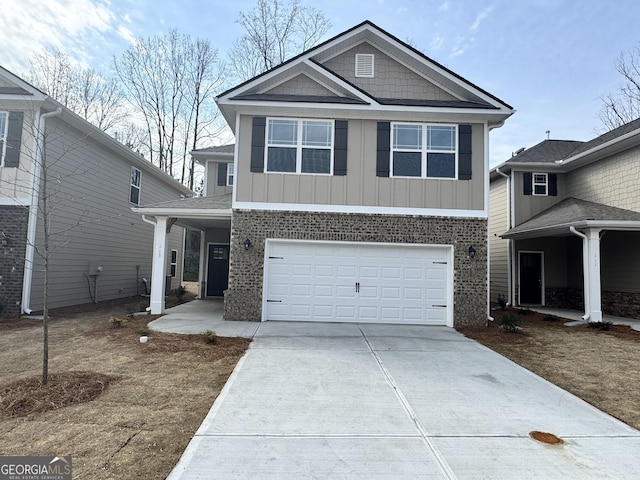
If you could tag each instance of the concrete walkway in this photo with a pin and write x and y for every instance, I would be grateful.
(576, 315)
(347, 401)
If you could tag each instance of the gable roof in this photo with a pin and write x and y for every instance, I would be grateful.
(247, 97)
(557, 219)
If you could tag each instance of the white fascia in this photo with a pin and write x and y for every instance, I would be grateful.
(209, 213)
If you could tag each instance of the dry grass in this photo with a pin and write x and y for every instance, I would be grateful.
(141, 423)
(601, 367)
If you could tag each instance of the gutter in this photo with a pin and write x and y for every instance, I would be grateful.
(585, 268)
(509, 241)
(36, 173)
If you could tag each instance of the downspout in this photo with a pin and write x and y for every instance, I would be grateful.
(585, 268)
(509, 241)
(36, 173)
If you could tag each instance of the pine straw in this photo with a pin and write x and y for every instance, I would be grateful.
(27, 396)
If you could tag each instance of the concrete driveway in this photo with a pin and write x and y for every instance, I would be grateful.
(346, 401)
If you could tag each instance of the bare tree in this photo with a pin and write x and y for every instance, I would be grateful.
(85, 91)
(274, 32)
(171, 80)
(623, 106)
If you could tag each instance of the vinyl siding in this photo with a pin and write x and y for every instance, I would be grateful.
(360, 186)
(620, 261)
(498, 247)
(301, 85)
(90, 192)
(613, 181)
(526, 206)
(391, 78)
(212, 187)
(15, 183)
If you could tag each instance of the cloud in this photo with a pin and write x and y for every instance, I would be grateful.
(444, 7)
(480, 17)
(436, 43)
(79, 28)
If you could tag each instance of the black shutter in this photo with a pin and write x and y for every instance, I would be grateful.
(383, 149)
(14, 139)
(527, 180)
(553, 184)
(340, 147)
(257, 144)
(222, 174)
(464, 152)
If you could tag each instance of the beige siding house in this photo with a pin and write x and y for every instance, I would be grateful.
(571, 239)
(360, 189)
(100, 249)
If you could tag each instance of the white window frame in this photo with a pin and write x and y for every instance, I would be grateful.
(369, 58)
(298, 146)
(132, 185)
(540, 183)
(424, 151)
(3, 137)
(230, 174)
(173, 265)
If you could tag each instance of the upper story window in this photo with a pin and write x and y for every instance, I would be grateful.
(134, 190)
(427, 151)
(364, 65)
(299, 146)
(230, 173)
(540, 184)
(4, 121)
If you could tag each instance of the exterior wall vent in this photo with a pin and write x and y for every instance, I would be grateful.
(364, 65)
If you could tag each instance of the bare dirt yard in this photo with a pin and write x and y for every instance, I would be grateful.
(151, 397)
(601, 367)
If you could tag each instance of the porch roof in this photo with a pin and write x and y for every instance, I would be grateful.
(197, 212)
(573, 212)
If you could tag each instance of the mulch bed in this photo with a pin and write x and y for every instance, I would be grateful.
(27, 396)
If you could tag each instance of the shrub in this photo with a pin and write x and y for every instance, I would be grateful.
(509, 323)
(180, 291)
(209, 336)
(117, 322)
(604, 325)
(142, 331)
(502, 302)
(525, 311)
(550, 318)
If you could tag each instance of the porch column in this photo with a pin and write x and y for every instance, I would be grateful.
(594, 291)
(159, 265)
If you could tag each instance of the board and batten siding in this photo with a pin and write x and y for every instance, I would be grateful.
(360, 186)
(212, 187)
(15, 182)
(498, 247)
(93, 204)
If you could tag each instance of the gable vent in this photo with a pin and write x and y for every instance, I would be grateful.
(364, 65)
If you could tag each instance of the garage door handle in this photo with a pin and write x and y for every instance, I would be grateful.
(441, 306)
(357, 287)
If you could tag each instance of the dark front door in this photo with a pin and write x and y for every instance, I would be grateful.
(218, 270)
(531, 278)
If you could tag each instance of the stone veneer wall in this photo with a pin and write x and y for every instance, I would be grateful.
(243, 299)
(13, 234)
(620, 304)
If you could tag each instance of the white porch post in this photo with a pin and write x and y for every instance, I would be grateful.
(595, 295)
(159, 266)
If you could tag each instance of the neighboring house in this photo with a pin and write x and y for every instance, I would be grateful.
(100, 248)
(360, 190)
(563, 208)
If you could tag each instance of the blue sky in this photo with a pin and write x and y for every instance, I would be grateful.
(550, 59)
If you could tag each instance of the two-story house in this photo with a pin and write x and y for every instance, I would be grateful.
(565, 225)
(53, 161)
(360, 189)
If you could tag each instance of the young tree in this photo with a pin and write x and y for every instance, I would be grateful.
(274, 32)
(623, 106)
(171, 80)
(85, 91)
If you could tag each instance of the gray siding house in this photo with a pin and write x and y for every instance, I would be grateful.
(565, 225)
(357, 190)
(100, 248)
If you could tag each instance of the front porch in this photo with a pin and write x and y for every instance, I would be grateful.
(211, 216)
(578, 255)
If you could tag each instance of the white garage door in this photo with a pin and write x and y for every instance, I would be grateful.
(357, 282)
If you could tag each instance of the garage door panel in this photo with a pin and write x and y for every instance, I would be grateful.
(318, 281)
